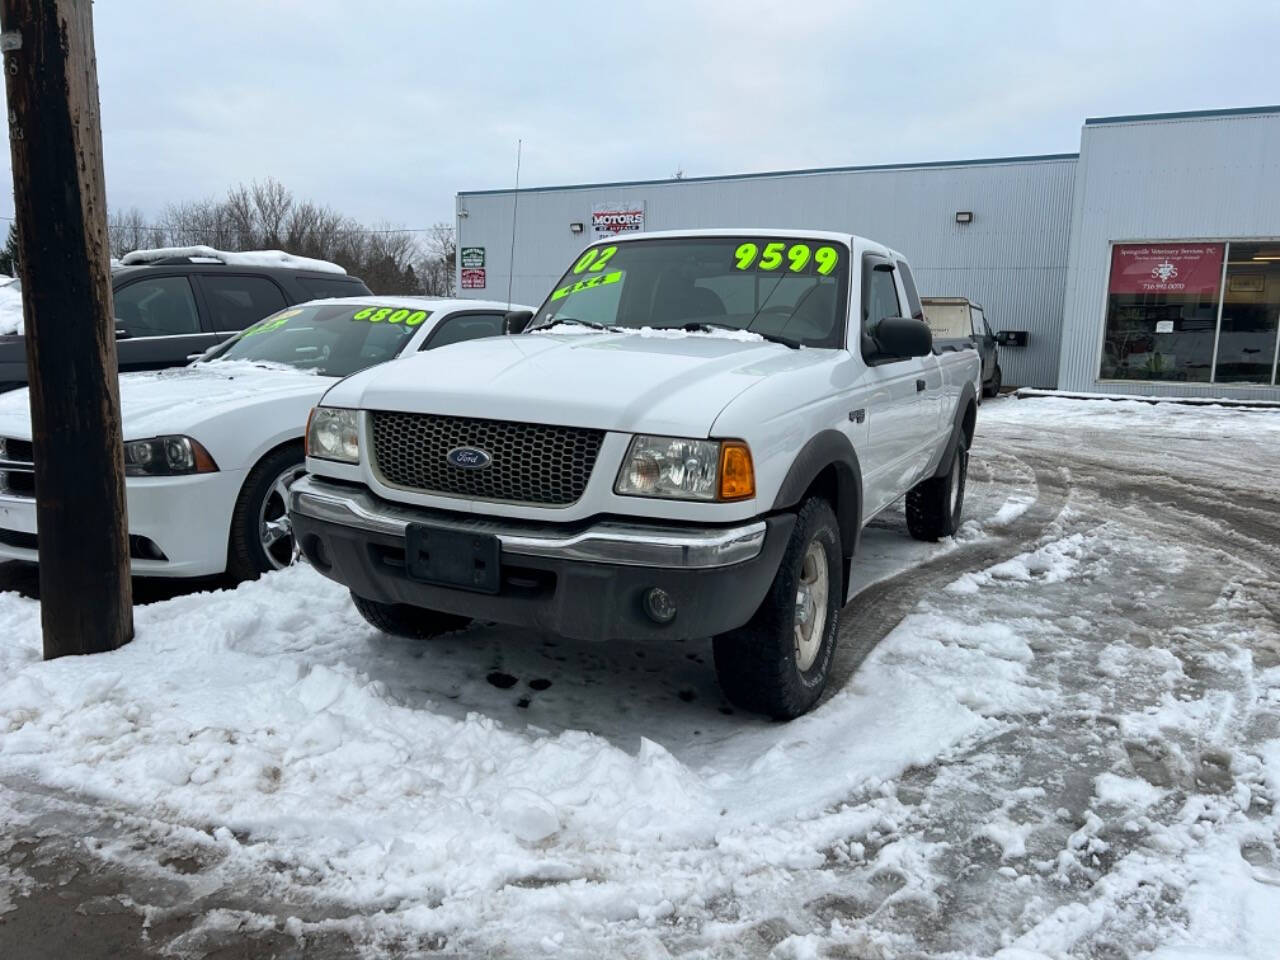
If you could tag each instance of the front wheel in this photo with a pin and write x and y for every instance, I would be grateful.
(412, 623)
(779, 661)
(261, 534)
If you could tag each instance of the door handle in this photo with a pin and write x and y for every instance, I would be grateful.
(920, 385)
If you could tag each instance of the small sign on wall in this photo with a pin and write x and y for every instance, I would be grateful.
(610, 219)
(471, 257)
(473, 278)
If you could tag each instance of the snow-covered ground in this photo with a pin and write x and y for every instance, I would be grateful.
(1056, 735)
(10, 306)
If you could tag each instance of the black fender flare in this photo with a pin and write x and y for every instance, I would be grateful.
(968, 401)
(830, 448)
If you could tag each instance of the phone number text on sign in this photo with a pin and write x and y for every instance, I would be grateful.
(473, 279)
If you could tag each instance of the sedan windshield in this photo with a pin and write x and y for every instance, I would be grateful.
(331, 339)
(791, 288)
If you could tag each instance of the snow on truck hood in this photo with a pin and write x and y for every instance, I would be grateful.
(674, 385)
(177, 401)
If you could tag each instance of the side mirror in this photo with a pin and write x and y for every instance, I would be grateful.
(903, 337)
(516, 320)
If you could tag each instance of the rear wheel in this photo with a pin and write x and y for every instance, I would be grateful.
(401, 620)
(778, 662)
(934, 506)
(261, 534)
(992, 386)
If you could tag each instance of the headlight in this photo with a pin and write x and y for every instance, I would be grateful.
(333, 434)
(166, 457)
(677, 469)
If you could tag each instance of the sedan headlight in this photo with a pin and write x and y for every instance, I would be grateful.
(333, 434)
(678, 469)
(166, 457)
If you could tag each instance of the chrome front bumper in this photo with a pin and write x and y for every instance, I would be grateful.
(627, 544)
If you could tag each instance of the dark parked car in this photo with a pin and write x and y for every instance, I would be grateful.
(955, 318)
(174, 308)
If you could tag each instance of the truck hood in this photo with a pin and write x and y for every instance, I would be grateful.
(180, 400)
(641, 382)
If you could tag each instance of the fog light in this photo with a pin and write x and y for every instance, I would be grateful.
(659, 605)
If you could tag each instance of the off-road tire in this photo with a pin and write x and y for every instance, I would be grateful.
(934, 506)
(401, 620)
(246, 557)
(757, 664)
(992, 387)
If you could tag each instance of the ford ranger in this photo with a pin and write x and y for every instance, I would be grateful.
(685, 441)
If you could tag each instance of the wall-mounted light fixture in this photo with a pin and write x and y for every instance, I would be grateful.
(964, 216)
(575, 228)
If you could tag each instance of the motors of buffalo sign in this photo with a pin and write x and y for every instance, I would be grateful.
(610, 219)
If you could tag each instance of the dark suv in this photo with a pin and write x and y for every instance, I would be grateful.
(171, 310)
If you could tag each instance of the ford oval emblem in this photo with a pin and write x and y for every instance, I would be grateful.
(469, 458)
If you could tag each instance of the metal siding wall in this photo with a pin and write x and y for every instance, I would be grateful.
(1189, 178)
(1012, 259)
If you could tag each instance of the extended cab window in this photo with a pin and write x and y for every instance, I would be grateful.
(157, 307)
(909, 285)
(235, 302)
(792, 287)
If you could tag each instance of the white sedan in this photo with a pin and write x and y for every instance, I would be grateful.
(211, 448)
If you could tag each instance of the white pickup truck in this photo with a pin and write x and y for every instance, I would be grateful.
(685, 441)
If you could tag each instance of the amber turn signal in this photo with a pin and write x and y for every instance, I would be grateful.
(737, 476)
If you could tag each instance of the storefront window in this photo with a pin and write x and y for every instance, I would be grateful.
(1162, 311)
(1250, 314)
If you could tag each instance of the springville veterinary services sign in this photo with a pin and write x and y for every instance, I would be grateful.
(610, 219)
(1184, 268)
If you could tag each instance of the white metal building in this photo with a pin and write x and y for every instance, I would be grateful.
(1104, 258)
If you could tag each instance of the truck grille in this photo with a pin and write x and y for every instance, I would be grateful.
(19, 481)
(530, 462)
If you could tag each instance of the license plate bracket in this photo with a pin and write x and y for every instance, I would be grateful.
(453, 558)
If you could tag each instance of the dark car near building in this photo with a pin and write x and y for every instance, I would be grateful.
(956, 318)
(173, 308)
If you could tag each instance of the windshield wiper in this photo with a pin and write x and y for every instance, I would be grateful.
(593, 324)
(705, 326)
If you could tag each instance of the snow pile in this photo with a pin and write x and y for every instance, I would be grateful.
(10, 306)
(244, 258)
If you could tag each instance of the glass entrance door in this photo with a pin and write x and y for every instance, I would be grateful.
(1247, 337)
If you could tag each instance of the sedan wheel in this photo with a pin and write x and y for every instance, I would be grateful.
(275, 532)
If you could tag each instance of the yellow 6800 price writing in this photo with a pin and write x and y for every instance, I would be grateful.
(410, 318)
(797, 258)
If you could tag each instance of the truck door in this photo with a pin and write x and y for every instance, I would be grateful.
(897, 422)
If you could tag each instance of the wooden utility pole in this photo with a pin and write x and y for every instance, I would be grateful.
(60, 197)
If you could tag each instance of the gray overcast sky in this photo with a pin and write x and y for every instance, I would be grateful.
(384, 110)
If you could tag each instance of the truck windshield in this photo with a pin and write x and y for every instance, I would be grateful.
(789, 287)
(333, 340)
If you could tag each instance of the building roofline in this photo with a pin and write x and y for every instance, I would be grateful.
(1182, 115)
(783, 173)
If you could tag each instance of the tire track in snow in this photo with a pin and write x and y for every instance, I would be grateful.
(870, 616)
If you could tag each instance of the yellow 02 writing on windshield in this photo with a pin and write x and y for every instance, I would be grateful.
(826, 258)
(594, 259)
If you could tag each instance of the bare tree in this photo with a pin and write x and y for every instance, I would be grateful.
(436, 269)
(127, 230)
